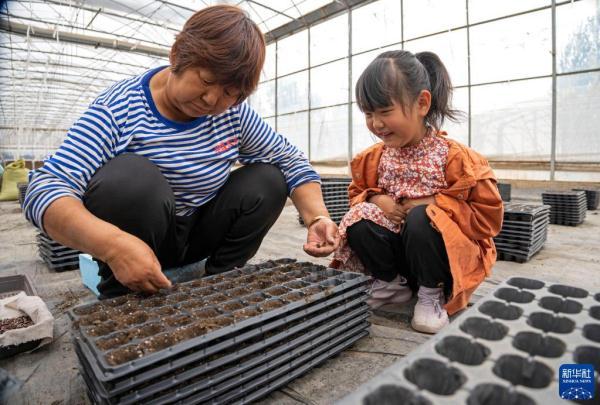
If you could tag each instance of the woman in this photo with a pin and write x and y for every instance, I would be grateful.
(143, 180)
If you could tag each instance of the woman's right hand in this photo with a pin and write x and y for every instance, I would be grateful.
(134, 264)
(392, 210)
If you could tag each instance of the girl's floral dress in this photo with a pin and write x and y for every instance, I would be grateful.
(414, 171)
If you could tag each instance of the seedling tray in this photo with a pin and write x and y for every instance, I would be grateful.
(252, 370)
(524, 212)
(338, 286)
(507, 348)
(255, 387)
(592, 197)
(515, 234)
(505, 191)
(520, 244)
(218, 356)
(13, 285)
(58, 255)
(511, 247)
(516, 255)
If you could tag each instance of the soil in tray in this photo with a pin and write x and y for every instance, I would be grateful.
(133, 319)
(293, 296)
(255, 298)
(15, 323)
(271, 304)
(216, 298)
(313, 289)
(102, 329)
(94, 319)
(232, 306)
(238, 292)
(193, 304)
(178, 320)
(123, 355)
(277, 290)
(205, 313)
(261, 284)
(282, 278)
(244, 313)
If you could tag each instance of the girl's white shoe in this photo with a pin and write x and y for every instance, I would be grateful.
(396, 291)
(430, 315)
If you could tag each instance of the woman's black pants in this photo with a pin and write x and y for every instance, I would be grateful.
(131, 193)
(417, 253)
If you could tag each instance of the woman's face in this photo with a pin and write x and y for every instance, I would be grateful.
(194, 92)
(397, 127)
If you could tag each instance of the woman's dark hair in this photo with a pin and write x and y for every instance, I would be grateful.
(224, 40)
(400, 76)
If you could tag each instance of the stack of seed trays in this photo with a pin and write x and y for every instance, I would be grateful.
(505, 191)
(22, 187)
(568, 207)
(506, 349)
(56, 256)
(335, 196)
(524, 231)
(592, 196)
(227, 338)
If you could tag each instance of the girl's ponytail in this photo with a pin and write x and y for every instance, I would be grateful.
(440, 88)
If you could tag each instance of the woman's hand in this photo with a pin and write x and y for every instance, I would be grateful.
(409, 203)
(134, 264)
(322, 238)
(392, 210)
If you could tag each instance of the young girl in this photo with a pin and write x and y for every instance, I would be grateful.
(424, 208)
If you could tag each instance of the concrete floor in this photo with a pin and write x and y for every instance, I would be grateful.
(571, 255)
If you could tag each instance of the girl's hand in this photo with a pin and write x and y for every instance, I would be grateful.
(322, 238)
(392, 210)
(407, 204)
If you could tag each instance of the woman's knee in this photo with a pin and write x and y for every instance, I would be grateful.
(131, 183)
(263, 184)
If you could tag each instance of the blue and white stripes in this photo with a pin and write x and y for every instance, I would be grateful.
(195, 157)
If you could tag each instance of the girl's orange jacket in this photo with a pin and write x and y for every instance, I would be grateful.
(467, 214)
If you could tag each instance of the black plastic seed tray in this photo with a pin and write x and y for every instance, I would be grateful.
(336, 179)
(524, 212)
(257, 386)
(567, 222)
(217, 357)
(324, 288)
(22, 187)
(519, 255)
(61, 265)
(520, 249)
(592, 196)
(505, 191)
(235, 383)
(517, 247)
(226, 384)
(507, 348)
(518, 243)
(50, 244)
(60, 254)
(338, 207)
(335, 193)
(13, 285)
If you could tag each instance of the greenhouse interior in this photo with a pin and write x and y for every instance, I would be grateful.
(299, 202)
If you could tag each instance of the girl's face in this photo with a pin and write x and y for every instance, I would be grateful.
(194, 92)
(397, 127)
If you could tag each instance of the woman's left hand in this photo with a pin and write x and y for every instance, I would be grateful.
(322, 238)
(409, 203)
